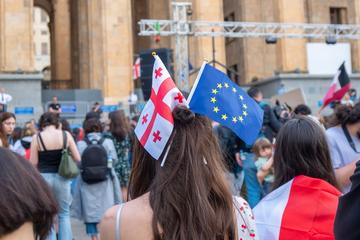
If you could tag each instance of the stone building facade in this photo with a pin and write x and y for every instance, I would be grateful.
(254, 59)
(93, 42)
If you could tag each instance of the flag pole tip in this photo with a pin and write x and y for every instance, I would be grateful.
(153, 53)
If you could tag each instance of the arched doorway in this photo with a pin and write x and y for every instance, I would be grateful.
(59, 39)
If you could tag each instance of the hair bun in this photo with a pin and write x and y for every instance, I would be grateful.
(183, 114)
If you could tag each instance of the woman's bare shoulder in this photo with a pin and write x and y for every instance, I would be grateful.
(134, 213)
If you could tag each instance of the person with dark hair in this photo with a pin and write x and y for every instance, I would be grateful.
(7, 126)
(93, 197)
(344, 143)
(304, 181)
(271, 126)
(54, 106)
(22, 146)
(302, 109)
(187, 198)
(27, 205)
(46, 153)
(120, 135)
(230, 145)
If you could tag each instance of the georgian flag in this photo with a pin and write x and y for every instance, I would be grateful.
(339, 86)
(303, 208)
(156, 121)
(136, 69)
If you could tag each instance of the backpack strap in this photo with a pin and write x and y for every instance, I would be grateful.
(41, 142)
(64, 139)
(101, 140)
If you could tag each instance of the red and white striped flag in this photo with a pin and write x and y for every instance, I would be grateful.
(303, 208)
(156, 121)
(136, 69)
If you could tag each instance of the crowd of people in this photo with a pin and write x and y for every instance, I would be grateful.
(299, 180)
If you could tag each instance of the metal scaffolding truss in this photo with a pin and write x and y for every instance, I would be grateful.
(181, 28)
(149, 27)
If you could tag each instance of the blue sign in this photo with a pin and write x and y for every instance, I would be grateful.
(109, 108)
(24, 110)
(69, 108)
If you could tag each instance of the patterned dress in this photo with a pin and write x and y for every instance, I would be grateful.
(246, 227)
(122, 167)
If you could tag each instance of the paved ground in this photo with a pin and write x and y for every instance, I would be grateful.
(78, 228)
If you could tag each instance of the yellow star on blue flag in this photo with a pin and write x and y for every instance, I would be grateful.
(231, 100)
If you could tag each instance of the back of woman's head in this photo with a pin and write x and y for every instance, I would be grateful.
(49, 119)
(345, 114)
(25, 196)
(119, 125)
(92, 125)
(189, 195)
(301, 149)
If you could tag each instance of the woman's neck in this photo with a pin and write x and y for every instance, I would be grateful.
(50, 127)
(25, 232)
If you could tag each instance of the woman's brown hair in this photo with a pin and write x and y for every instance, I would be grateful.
(302, 149)
(189, 196)
(49, 119)
(3, 117)
(25, 196)
(119, 125)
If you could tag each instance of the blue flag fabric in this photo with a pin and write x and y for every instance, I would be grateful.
(220, 99)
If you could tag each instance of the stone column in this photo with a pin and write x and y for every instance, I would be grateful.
(16, 37)
(61, 45)
(118, 50)
(292, 51)
(105, 47)
(201, 47)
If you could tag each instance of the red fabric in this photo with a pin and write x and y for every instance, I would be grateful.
(310, 211)
(27, 154)
(333, 94)
(160, 107)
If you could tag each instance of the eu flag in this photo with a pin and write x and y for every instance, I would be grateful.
(219, 98)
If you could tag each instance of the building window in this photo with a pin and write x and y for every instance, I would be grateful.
(338, 15)
(43, 32)
(44, 49)
(43, 16)
(232, 72)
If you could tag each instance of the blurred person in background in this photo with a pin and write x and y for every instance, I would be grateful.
(344, 143)
(46, 153)
(262, 150)
(4, 100)
(54, 106)
(120, 134)
(94, 193)
(22, 146)
(7, 126)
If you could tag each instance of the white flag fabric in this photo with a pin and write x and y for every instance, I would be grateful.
(156, 122)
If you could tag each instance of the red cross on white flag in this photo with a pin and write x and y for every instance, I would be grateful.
(156, 122)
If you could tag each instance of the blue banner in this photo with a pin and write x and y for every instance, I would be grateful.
(68, 108)
(24, 110)
(109, 108)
